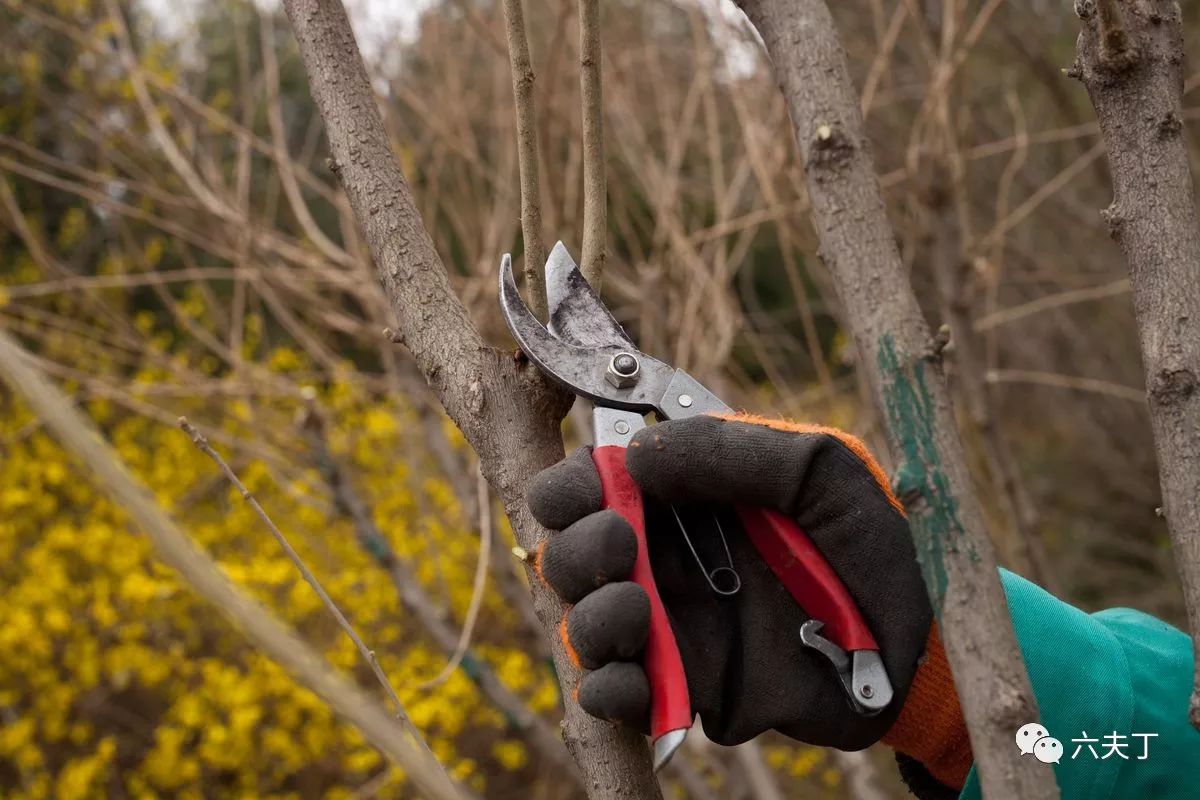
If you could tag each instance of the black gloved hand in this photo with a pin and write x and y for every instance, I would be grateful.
(747, 670)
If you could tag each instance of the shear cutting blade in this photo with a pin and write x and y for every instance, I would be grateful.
(577, 314)
(581, 351)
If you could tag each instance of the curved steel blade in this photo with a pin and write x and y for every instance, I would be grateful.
(580, 368)
(666, 745)
(577, 314)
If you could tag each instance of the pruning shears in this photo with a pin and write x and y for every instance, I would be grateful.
(588, 352)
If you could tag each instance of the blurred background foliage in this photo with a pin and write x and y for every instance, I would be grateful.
(172, 242)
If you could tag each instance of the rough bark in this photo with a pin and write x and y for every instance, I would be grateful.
(505, 409)
(1130, 57)
(905, 374)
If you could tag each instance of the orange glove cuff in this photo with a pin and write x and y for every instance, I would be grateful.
(931, 728)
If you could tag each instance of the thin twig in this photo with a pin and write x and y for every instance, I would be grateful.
(541, 736)
(1044, 192)
(367, 653)
(527, 153)
(1075, 382)
(595, 192)
(158, 131)
(279, 642)
(283, 159)
(481, 571)
(1013, 313)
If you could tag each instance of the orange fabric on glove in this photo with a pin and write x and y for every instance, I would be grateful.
(931, 728)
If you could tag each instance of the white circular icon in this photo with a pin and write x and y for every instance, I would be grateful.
(1048, 750)
(1028, 736)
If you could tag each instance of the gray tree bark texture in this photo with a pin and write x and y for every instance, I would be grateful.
(904, 370)
(1130, 57)
(505, 409)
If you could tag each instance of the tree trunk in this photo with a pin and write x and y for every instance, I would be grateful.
(903, 366)
(1130, 57)
(505, 409)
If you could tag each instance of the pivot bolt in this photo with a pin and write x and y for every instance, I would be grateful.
(623, 369)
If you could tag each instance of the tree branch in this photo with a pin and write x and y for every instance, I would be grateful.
(279, 642)
(505, 408)
(481, 570)
(595, 193)
(1139, 104)
(895, 348)
(409, 266)
(527, 154)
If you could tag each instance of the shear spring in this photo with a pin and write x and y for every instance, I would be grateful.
(726, 574)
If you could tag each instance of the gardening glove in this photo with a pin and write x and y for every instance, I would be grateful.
(747, 669)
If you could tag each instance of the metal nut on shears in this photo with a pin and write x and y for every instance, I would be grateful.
(623, 369)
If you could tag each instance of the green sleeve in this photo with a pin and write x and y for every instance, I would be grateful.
(1116, 672)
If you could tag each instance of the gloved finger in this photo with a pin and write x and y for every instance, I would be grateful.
(596, 550)
(713, 460)
(565, 492)
(610, 624)
(618, 692)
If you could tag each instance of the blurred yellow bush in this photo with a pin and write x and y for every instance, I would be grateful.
(115, 680)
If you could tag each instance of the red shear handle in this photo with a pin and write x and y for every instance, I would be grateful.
(800, 567)
(670, 707)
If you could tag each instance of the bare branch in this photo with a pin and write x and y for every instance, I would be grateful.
(894, 346)
(367, 654)
(595, 193)
(527, 153)
(1075, 382)
(1057, 300)
(158, 132)
(283, 160)
(507, 411)
(408, 263)
(486, 534)
(78, 435)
